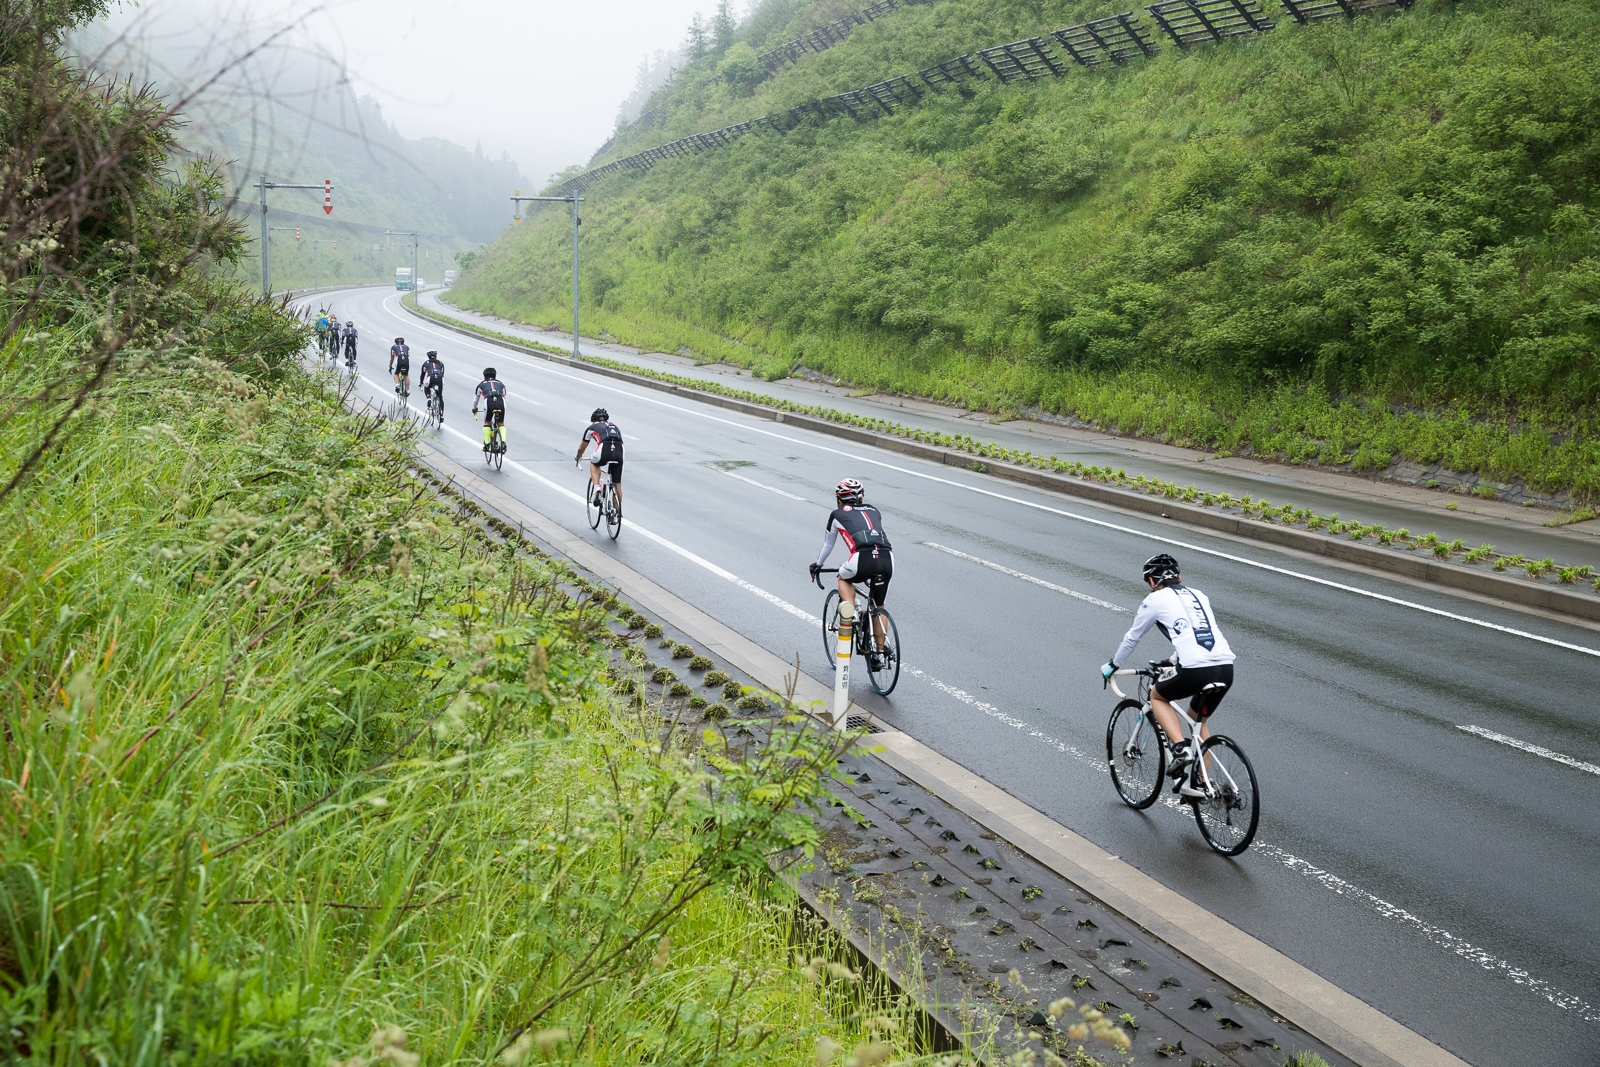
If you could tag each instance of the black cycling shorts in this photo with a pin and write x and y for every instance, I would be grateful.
(874, 566)
(494, 414)
(1180, 683)
(402, 366)
(615, 467)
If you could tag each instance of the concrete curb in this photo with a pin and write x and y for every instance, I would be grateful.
(1310, 1001)
(1445, 575)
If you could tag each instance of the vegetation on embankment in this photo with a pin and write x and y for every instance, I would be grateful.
(292, 750)
(1349, 243)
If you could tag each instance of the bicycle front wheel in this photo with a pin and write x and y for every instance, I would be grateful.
(883, 669)
(613, 515)
(830, 629)
(596, 508)
(1137, 756)
(1229, 811)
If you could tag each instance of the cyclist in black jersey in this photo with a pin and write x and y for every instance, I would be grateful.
(431, 377)
(860, 526)
(603, 441)
(491, 393)
(400, 365)
(349, 343)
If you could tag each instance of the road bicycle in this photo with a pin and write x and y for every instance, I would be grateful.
(494, 450)
(435, 409)
(1137, 749)
(883, 666)
(603, 503)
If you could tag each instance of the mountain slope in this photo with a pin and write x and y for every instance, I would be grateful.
(1347, 243)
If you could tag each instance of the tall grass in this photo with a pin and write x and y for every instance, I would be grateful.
(293, 754)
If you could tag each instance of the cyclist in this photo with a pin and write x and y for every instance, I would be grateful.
(400, 365)
(431, 377)
(491, 392)
(322, 332)
(349, 343)
(871, 556)
(604, 442)
(1200, 658)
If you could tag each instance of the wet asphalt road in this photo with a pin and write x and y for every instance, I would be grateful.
(1444, 877)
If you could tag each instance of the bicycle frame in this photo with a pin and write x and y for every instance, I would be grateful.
(1191, 725)
(861, 598)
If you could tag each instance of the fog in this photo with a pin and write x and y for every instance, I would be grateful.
(539, 80)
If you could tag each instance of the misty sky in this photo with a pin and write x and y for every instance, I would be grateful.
(536, 78)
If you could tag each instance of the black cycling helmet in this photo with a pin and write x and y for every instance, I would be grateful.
(599, 415)
(433, 355)
(488, 372)
(849, 491)
(1162, 568)
(399, 340)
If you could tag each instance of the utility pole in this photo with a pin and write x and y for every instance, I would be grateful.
(517, 201)
(414, 235)
(266, 243)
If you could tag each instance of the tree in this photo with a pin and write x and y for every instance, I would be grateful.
(741, 68)
(698, 42)
(723, 27)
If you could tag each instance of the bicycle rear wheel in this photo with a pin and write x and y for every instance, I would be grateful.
(1136, 753)
(613, 514)
(886, 675)
(1229, 811)
(830, 629)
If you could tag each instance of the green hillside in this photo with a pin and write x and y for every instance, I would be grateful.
(1347, 243)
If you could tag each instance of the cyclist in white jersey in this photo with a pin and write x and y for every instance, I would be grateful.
(1201, 665)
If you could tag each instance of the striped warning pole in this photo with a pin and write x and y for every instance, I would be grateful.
(327, 196)
(841, 661)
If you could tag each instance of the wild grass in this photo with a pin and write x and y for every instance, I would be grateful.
(293, 754)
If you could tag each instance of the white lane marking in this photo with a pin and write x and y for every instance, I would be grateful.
(1537, 750)
(1433, 933)
(799, 613)
(1028, 729)
(1030, 578)
(768, 488)
(1436, 934)
(1357, 590)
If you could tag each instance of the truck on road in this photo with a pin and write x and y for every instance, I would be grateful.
(449, 278)
(402, 277)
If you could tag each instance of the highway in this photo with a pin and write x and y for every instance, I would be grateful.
(1430, 837)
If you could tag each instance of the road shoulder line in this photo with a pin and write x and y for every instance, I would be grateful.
(1310, 1001)
(1444, 575)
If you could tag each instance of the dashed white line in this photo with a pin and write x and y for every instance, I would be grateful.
(768, 488)
(1096, 601)
(1146, 535)
(1537, 750)
(1027, 728)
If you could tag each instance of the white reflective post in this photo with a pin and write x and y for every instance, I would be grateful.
(841, 661)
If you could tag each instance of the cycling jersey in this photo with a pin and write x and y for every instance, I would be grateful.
(860, 525)
(1183, 615)
(492, 392)
(322, 324)
(605, 442)
(871, 556)
(399, 359)
(432, 374)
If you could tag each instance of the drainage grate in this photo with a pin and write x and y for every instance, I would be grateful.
(857, 722)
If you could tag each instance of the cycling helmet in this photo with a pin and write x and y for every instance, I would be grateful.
(599, 415)
(399, 340)
(848, 491)
(1162, 568)
(433, 355)
(488, 372)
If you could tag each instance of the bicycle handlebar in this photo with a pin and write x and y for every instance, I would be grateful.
(820, 572)
(1136, 672)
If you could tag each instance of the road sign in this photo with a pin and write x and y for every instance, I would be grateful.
(327, 196)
